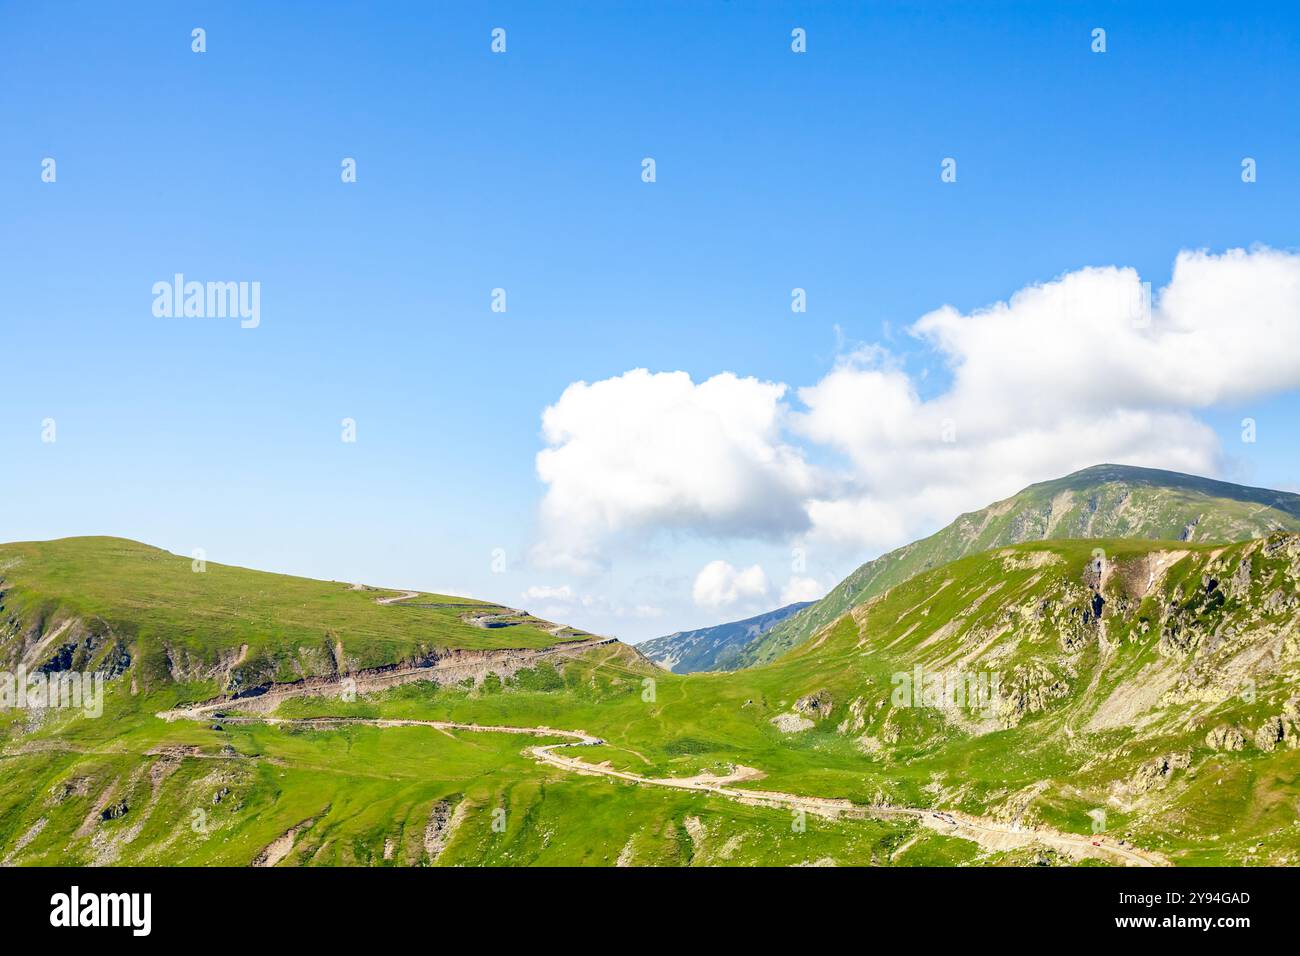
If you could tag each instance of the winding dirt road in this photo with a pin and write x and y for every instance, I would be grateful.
(400, 597)
(990, 834)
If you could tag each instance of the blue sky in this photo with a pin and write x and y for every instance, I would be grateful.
(522, 171)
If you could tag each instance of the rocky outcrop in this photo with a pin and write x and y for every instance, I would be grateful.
(1178, 632)
(1156, 773)
(1282, 730)
(817, 706)
(55, 645)
(444, 819)
(1031, 689)
(1270, 734)
(1239, 584)
(1225, 737)
(282, 846)
(856, 720)
(1105, 501)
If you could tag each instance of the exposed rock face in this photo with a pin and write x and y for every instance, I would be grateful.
(1080, 624)
(856, 720)
(282, 846)
(443, 668)
(115, 662)
(869, 745)
(1178, 635)
(42, 645)
(1282, 730)
(73, 787)
(1155, 774)
(1224, 737)
(1288, 544)
(1240, 584)
(444, 818)
(889, 731)
(817, 706)
(1031, 690)
(698, 833)
(1272, 733)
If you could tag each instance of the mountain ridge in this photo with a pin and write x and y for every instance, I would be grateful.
(1133, 502)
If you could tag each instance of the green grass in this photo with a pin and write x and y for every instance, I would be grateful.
(291, 627)
(356, 789)
(362, 788)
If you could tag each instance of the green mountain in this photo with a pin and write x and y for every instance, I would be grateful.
(1105, 501)
(1122, 702)
(713, 648)
(111, 606)
(1145, 691)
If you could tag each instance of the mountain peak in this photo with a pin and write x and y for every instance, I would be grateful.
(1110, 473)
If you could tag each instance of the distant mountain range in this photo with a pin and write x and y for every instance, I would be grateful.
(716, 648)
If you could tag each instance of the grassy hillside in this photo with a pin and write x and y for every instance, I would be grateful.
(1106, 501)
(109, 604)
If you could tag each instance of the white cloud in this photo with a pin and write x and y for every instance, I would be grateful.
(541, 592)
(1226, 327)
(647, 452)
(719, 585)
(801, 589)
(562, 600)
(1063, 375)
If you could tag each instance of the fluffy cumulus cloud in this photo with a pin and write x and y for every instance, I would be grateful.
(645, 452)
(1084, 369)
(720, 585)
